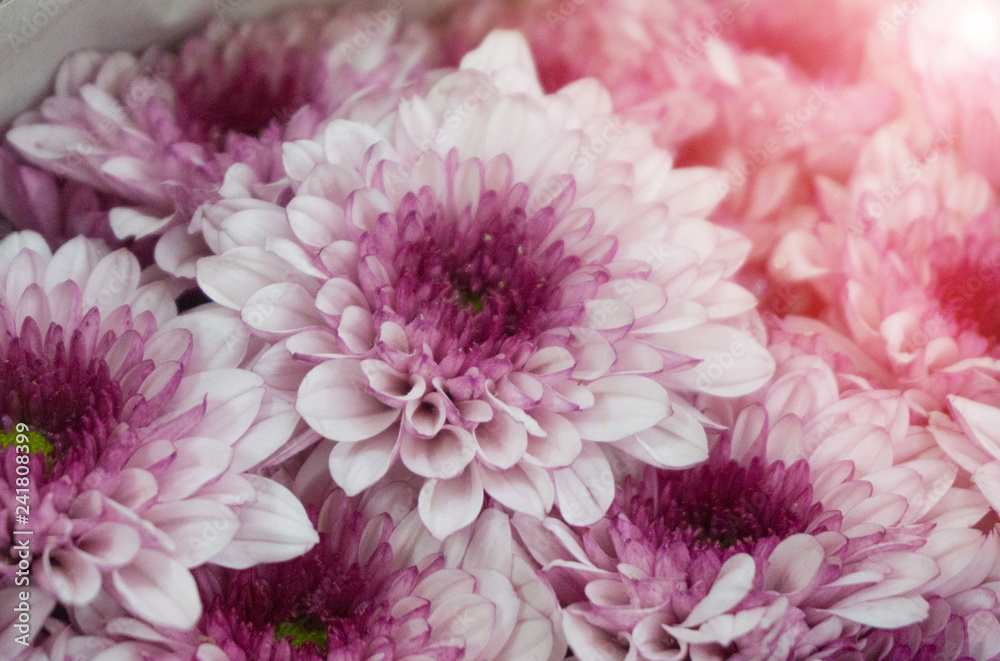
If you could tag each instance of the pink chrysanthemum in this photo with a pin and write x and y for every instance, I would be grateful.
(919, 265)
(126, 434)
(490, 286)
(376, 586)
(741, 555)
(821, 516)
(164, 131)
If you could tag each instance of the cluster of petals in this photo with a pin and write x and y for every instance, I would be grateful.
(165, 132)
(963, 621)
(141, 427)
(487, 284)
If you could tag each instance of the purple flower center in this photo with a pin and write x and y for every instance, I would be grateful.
(306, 608)
(65, 395)
(477, 289)
(725, 506)
(259, 92)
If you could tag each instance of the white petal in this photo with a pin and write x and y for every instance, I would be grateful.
(443, 456)
(586, 488)
(158, 589)
(561, 445)
(357, 466)
(112, 281)
(793, 563)
(449, 505)
(502, 440)
(733, 583)
(523, 488)
(677, 441)
(623, 406)
(281, 309)
(273, 528)
(71, 575)
(733, 363)
(231, 279)
(199, 526)
(333, 401)
(588, 642)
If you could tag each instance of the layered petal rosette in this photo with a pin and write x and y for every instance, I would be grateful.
(487, 305)
(376, 586)
(127, 432)
(816, 521)
(167, 131)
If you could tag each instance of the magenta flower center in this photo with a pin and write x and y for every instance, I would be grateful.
(726, 506)
(967, 287)
(260, 91)
(477, 290)
(305, 609)
(60, 392)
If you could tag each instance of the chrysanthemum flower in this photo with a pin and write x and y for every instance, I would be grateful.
(125, 435)
(166, 131)
(917, 234)
(376, 586)
(807, 527)
(488, 286)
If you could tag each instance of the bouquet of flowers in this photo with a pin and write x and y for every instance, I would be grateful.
(613, 330)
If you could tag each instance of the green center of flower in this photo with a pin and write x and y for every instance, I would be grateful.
(34, 440)
(302, 633)
(467, 298)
